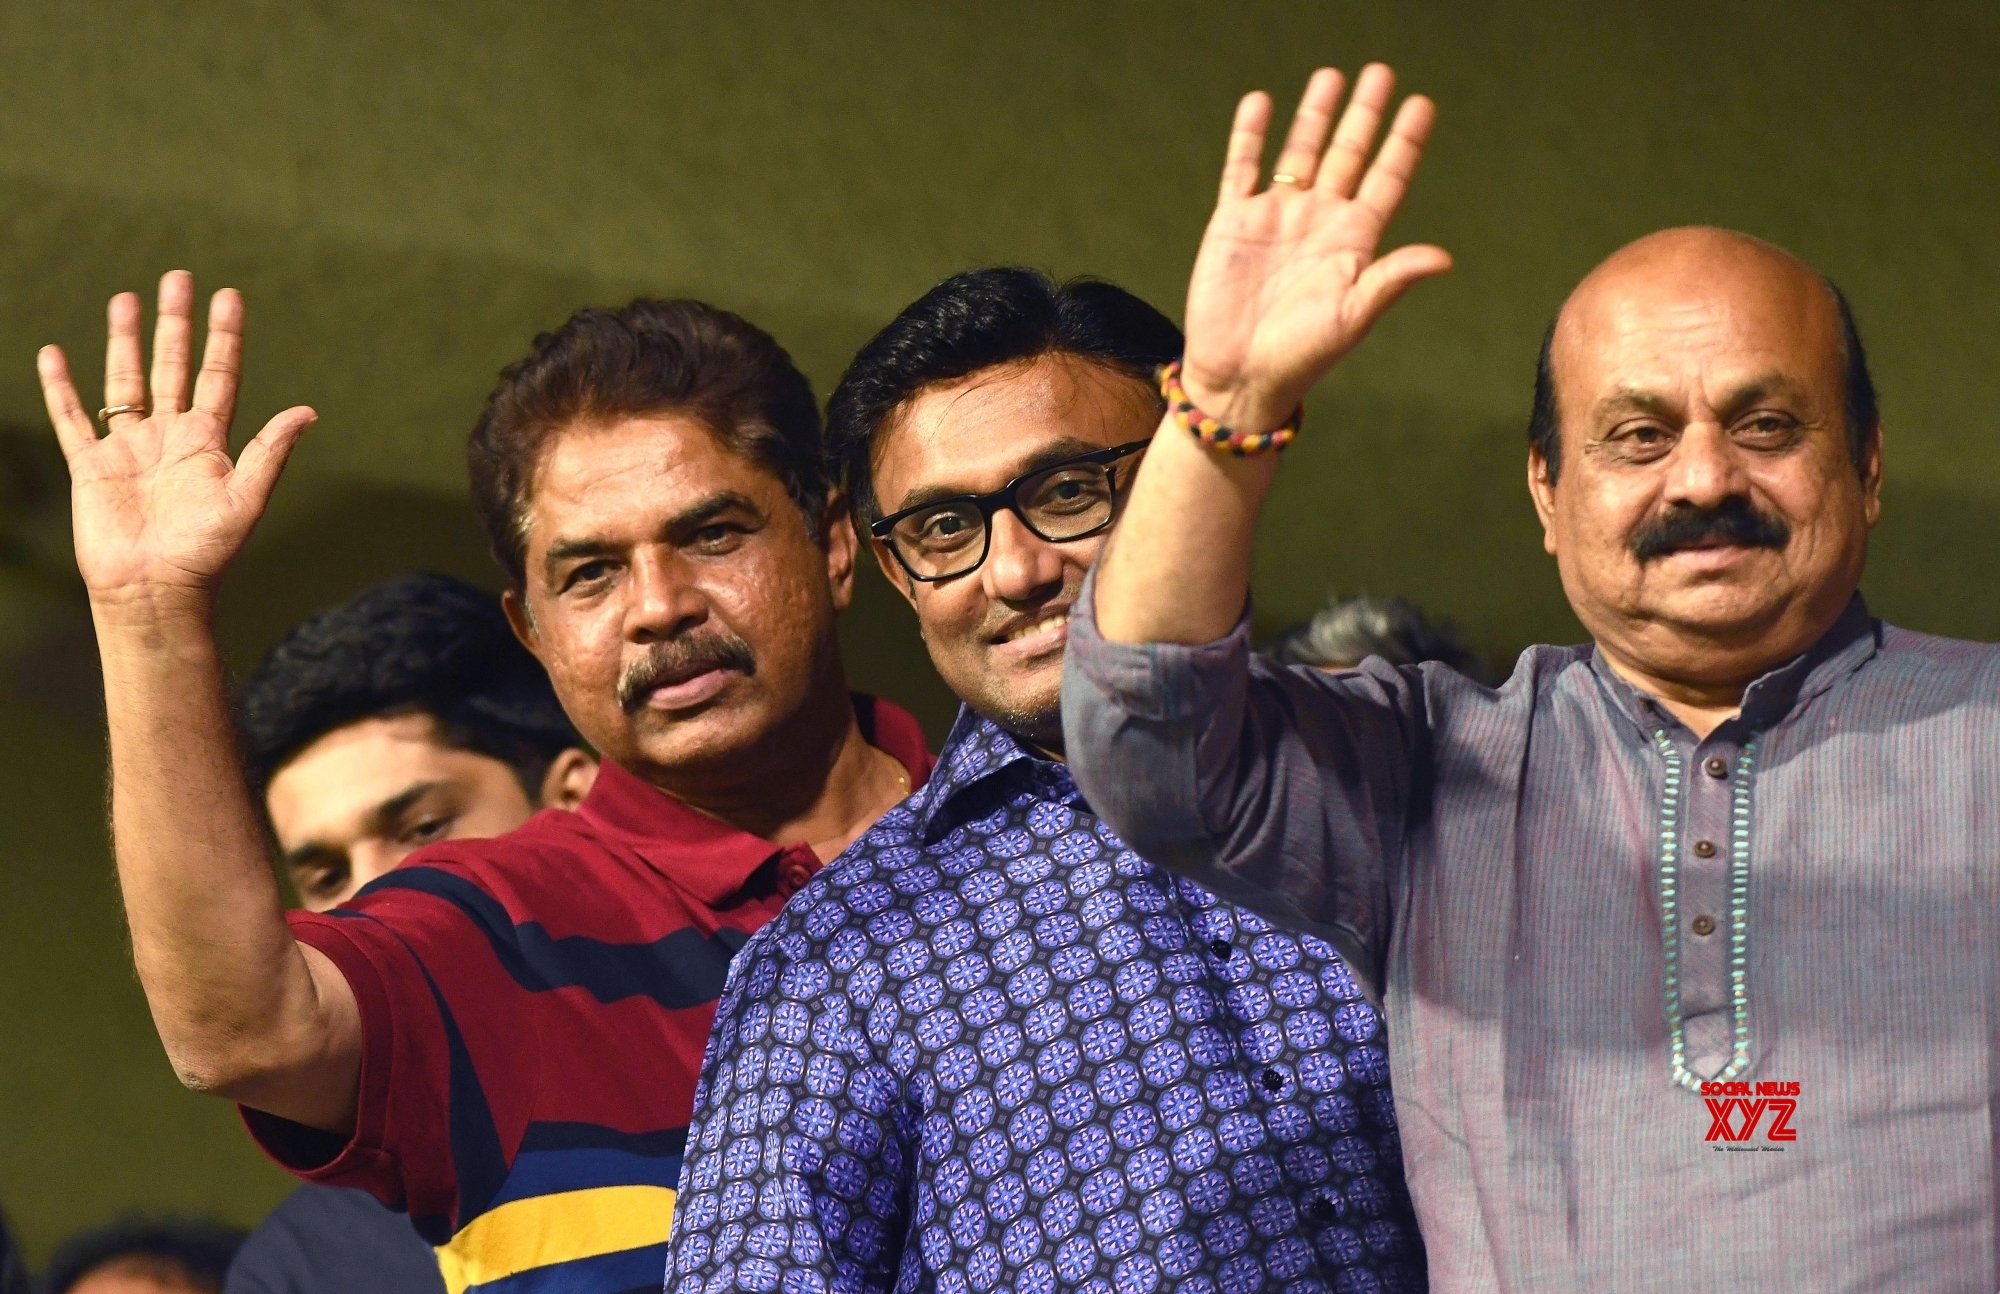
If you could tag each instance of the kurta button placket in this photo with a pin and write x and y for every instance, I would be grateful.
(1705, 988)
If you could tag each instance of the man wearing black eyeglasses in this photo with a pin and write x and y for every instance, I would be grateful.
(990, 1045)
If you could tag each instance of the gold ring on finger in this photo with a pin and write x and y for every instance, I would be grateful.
(110, 411)
(1286, 177)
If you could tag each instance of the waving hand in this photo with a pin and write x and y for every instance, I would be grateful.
(1290, 278)
(159, 510)
(158, 505)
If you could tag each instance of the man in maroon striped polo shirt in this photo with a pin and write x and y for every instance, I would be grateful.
(501, 1036)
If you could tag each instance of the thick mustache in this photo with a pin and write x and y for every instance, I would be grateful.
(1733, 521)
(681, 659)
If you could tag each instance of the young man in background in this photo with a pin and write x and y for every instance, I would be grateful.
(407, 716)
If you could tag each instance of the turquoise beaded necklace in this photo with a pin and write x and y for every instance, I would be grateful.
(1739, 914)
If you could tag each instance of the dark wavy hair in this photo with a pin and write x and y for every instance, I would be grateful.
(419, 643)
(977, 320)
(651, 357)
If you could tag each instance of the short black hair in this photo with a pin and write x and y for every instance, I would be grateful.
(1864, 415)
(193, 1252)
(648, 357)
(419, 643)
(976, 320)
(1349, 630)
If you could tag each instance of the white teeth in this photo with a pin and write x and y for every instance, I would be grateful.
(1056, 621)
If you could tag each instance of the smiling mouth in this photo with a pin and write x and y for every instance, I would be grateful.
(1049, 625)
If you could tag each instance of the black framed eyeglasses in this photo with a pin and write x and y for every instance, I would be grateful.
(1069, 500)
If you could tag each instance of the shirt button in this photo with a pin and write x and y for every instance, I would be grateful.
(1703, 924)
(1273, 1081)
(1716, 766)
(1221, 949)
(1705, 848)
(1322, 1209)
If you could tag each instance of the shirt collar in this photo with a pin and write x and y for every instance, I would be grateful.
(712, 859)
(1773, 696)
(980, 758)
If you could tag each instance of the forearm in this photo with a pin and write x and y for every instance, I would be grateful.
(1177, 569)
(242, 1008)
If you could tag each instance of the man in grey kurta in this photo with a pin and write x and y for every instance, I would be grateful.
(1499, 854)
(1687, 937)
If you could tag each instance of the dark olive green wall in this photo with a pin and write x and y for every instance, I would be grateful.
(408, 192)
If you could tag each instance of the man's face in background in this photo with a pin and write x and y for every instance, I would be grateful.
(678, 598)
(357, 801)
(996, 633)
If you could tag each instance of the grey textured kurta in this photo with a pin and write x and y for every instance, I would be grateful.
(1522, 867)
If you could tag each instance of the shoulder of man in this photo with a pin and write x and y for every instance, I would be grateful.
(1976, 663)
(332, 1238)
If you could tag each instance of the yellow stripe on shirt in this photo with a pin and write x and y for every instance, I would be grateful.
(544, 1229)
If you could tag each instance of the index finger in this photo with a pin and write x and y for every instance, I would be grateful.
(1388, 179)
(222, 357)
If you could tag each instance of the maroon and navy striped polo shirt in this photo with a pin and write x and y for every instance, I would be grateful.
(534, 1008)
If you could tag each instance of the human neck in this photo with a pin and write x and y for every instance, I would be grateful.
(1702, 707)
(1705, 689)
(816, 780)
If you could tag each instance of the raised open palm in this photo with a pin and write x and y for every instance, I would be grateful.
(1288, 279)
(157, 503)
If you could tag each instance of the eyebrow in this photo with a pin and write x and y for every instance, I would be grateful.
(1049, 455)
(693, 517)
(380, 818)
(1639, 400)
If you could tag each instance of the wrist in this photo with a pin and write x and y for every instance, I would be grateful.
(147, 608)
(1239, 405)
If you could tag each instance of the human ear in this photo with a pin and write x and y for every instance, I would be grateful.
(1871, 478)
(515, 604)
(837, 536)
(1542, 489)
(568, 779)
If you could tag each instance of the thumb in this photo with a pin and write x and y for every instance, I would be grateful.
(263, 459)
(1385, 280)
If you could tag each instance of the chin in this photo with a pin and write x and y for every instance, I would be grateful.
(716, 733)
(1724, 611)
(1033, 712)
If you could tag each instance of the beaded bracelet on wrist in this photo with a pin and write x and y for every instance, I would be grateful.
(1210, 431)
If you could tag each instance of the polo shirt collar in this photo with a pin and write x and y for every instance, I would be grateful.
(712, 859)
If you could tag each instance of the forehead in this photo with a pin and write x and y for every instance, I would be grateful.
(595, 475)
(1690, 324)
(975, 433)
(324, 790)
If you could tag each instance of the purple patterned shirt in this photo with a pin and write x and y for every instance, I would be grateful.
(1667, 1014)
(991, 1048)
